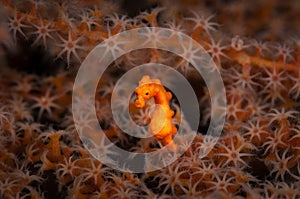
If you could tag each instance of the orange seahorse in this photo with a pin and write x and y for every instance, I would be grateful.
(161, 119)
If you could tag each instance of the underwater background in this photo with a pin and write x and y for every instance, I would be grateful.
(255, 46)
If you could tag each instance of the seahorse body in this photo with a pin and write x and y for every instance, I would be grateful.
(161, 119)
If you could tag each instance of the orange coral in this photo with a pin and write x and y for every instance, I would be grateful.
(258, 154)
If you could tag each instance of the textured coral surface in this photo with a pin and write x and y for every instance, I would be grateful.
(256, 48)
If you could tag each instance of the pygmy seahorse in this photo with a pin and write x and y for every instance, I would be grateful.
(161, 125)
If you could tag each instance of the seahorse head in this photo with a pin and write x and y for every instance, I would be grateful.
(147, 89)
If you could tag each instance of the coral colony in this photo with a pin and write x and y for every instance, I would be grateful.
(255, 46)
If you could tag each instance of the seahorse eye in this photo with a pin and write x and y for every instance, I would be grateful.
(146, 93)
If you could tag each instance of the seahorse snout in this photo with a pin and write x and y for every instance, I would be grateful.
(139, 102)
